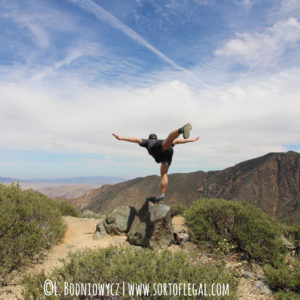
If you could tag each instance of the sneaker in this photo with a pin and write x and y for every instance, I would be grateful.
(160, 198)
(152, 199)
(186, 130)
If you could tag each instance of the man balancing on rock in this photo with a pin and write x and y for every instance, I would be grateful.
(162, 152)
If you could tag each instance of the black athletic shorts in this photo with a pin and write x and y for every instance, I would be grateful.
(155, 149)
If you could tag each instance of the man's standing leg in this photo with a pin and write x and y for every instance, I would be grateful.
(163, 184)
(163, 178)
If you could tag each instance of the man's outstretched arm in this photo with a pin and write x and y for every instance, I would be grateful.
(128, 139)
(183, 141)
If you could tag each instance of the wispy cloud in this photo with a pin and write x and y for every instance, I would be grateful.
(245, 3)
(289, 8)
(107, 17)
(262, 49)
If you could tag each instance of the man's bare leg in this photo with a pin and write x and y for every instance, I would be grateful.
(167, 143)
(185, 130)
(163, 184)
(164, 178)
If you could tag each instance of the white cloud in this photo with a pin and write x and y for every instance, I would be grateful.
(235, 122)
(263, 49)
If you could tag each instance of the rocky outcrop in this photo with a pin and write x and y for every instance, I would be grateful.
(271, 182)
(120, 220)
(100, 230)
(152, 227)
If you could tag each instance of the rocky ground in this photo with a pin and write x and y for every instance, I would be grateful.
(252, 283)
(79, 235)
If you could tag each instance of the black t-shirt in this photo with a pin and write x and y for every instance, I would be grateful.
(155, 149)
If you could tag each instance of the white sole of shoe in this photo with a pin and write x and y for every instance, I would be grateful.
(186, 130)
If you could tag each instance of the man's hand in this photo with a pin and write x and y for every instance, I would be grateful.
(116, 136)
(183, 141)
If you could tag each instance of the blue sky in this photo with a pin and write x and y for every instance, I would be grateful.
(74, 71)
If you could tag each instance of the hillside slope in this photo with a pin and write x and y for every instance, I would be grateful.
(271, 182)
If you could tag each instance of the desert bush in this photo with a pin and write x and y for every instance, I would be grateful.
(295, 232)
(240, 223)
(118, 265)
(281, 295)
(67, 209)
(284, 279)
(178, 209)
(29, 222)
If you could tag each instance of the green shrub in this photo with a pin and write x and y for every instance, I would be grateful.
(178, 209)
(92, 216)
(287, 296)
(118, 265)
(284, 278)
(29, 222)
(67, 209)
(240, 223)
(295, 232)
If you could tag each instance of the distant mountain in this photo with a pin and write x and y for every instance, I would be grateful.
(271, 182)
(93, 180)
(57, 190)
(7, 179)
(66, 188)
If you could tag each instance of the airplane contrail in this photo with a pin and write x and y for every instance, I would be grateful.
(105, 16)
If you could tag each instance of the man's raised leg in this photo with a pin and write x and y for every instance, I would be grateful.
(185, 130)
(167, 143)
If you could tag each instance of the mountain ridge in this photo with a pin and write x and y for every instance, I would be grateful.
(271, 182)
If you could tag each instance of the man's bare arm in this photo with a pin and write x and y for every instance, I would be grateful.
(128, 139)
(183, 141)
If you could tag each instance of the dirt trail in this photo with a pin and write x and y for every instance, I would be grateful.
(79, 235)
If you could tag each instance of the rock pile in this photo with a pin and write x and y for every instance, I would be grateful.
(150, 227)
(117, 223)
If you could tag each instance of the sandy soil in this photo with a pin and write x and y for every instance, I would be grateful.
(79, 235)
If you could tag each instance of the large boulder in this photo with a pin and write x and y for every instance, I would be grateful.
(120, 220)
(100, 230)
(152, 227)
